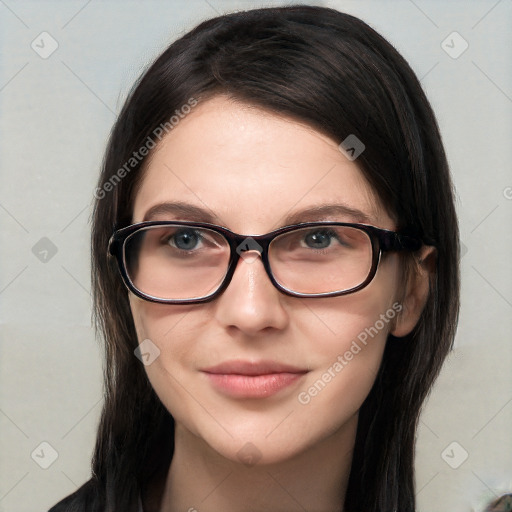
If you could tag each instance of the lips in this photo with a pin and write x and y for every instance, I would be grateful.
(246, 379)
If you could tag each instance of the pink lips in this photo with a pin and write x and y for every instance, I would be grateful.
(244, 379)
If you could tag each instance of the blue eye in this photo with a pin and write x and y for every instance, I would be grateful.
(184, 239)
(319, 239)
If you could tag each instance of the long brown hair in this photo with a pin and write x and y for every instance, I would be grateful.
(334, 72)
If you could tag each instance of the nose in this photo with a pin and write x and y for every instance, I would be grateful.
(251, 303)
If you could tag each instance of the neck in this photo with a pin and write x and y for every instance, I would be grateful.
(201, 480)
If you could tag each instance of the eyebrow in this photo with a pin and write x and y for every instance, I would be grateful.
(186, 211)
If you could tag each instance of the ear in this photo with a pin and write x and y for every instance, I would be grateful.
(416, 292)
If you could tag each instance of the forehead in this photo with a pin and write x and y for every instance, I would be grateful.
(251, 170)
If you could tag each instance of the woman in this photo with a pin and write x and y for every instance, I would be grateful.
(275, 270)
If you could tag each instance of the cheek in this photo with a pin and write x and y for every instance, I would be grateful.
(333, 324)
(168, 328)
(157, 321)
(347, 340)
(344, 367)
(171, 329)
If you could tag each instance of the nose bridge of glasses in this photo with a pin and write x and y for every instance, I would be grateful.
(250, 245)
(249, 248)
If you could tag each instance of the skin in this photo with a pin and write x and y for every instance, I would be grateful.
(277, 166)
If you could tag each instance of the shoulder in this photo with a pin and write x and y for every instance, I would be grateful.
(88, 498)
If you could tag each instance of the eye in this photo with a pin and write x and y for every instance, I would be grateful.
(320, 239)
(184, 239)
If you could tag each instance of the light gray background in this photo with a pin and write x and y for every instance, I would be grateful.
(55, 115)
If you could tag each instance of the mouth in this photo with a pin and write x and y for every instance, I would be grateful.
(245, 379)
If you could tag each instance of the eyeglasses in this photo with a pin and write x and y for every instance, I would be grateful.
(189, 262)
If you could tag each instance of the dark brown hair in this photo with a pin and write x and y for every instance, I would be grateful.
(335, 73)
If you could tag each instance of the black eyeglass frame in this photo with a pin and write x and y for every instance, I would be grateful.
(382, 240)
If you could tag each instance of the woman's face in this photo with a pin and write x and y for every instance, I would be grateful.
(250, 169)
